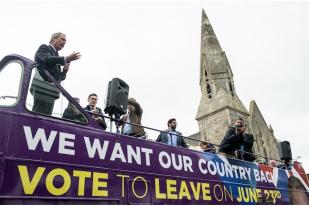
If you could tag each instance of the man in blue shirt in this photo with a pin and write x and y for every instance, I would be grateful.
(171, 136)
(134, 116)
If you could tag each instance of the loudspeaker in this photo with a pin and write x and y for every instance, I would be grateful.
(117, 97)
(285, 150)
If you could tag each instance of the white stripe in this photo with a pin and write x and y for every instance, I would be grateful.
(297, 175)
(275, 176)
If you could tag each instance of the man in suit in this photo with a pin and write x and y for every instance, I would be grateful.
(134, 116)
(171, 136)
(47, 58)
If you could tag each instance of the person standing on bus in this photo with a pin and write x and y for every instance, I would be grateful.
(236, 143)
(207, 147)
(47, 58)
(72, 113)
(171, 136)
(91, 107)
(273, 163)
(134, 116)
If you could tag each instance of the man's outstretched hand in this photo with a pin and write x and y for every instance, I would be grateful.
(72, 57)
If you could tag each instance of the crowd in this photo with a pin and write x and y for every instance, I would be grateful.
(236, 143)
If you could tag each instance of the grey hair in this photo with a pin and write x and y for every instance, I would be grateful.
(55, 35)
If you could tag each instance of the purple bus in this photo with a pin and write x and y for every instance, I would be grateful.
(49, 159)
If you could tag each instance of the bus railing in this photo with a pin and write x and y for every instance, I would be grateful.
(117, 121)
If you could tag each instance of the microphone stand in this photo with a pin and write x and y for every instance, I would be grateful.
(117, 116)
(110, 123)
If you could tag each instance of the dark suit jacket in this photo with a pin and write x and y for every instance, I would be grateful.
(47, 58)
(101, 122)
(163, 137)
(231, 141)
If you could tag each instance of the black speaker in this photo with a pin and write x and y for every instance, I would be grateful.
(117, 97)
(285, 150)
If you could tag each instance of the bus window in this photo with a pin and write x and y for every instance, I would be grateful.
(10, 81)
(45, 98)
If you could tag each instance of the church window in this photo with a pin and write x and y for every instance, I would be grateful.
(209, 91)
(231, 89)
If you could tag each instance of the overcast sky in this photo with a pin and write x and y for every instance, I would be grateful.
(155, 48)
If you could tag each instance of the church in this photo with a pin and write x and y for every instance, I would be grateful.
(220, 106)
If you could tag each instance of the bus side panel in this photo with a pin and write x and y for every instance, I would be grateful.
(62, 164)
(5, 124)
(4, 130)
(62, 182)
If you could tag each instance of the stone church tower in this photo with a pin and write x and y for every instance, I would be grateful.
(219, 105)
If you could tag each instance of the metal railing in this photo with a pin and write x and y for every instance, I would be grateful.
(117, 121)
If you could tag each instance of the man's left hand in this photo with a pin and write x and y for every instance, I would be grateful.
(66, 67)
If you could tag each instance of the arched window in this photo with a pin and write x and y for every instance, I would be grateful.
(231, 89)
(209, 91)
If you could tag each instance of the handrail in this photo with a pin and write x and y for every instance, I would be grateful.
(146, 127)
(6, 96)
(150, 128)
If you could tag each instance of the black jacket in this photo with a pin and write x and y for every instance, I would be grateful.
(47, 58)
(232, 142)
(75, 115)
(101, 122)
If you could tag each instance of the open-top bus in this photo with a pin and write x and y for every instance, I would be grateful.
(46, 159)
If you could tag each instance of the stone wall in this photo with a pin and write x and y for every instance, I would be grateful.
(265, 142)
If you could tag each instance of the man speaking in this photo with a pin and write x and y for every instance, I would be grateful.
(47, 58)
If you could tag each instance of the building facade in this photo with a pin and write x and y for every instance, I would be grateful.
(220, 106)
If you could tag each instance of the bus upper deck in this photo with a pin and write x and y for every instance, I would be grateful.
(47, 159)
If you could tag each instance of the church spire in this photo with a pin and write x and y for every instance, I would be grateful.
(216, 77)
(219, 105)
(213, 60)
(210, 44)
